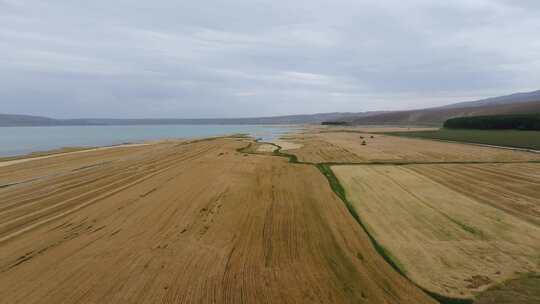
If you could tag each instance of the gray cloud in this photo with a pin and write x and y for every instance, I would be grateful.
(249, 58)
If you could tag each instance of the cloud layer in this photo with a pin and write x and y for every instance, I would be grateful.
(252, 58)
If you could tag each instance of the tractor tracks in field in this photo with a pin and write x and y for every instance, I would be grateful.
(52, 199)
(339, 190)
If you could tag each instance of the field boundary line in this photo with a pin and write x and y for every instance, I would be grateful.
(337, 188)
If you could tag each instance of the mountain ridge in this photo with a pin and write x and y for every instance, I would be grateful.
(12, 120)
(437, 116)
(504, 99)
(517, 103)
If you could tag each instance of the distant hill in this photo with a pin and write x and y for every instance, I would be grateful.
(506, 99)
(22, 120)
(7, 120)
(521, 103)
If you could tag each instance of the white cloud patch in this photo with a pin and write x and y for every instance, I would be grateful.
(244, 58)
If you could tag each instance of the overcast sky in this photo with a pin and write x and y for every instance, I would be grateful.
(237, 58)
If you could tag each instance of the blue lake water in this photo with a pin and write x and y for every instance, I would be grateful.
(23, 140)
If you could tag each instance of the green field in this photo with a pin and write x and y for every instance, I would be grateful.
(508, 138)
(520, 122)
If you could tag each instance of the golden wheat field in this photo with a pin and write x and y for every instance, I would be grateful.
(454, 229)
(346, 147)
(230, 220)
(184, 222)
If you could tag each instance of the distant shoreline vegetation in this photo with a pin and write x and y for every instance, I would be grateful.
(496, 122)
(334, 123)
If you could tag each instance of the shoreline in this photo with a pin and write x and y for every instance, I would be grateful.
(38, 155)
(212, 187)
(51, 153)
(23, 142)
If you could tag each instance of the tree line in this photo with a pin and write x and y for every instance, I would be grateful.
(496, 122)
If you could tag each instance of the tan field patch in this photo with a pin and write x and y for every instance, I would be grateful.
(23, 159)
(185, 223)
(346, 147)
(287, 144)
(28, 169)
(524, 290)
(447, 241)
(374, 129)
(266, 148)
(513, 188)
(315, 149)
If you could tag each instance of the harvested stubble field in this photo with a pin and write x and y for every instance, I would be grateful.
(346, 147)
(266, 148)
(25, 169)
(453, 229)
(372, 129)
(508, 138)
(524, 290)
(184, 223)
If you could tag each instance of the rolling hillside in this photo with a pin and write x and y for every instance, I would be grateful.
(437, 116)
(519, 103)
(9, 120)
(21, 120)
(506, 99)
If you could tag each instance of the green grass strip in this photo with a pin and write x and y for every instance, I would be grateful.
(335, 185)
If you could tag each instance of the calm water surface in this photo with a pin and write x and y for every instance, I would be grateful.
(23, 140)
